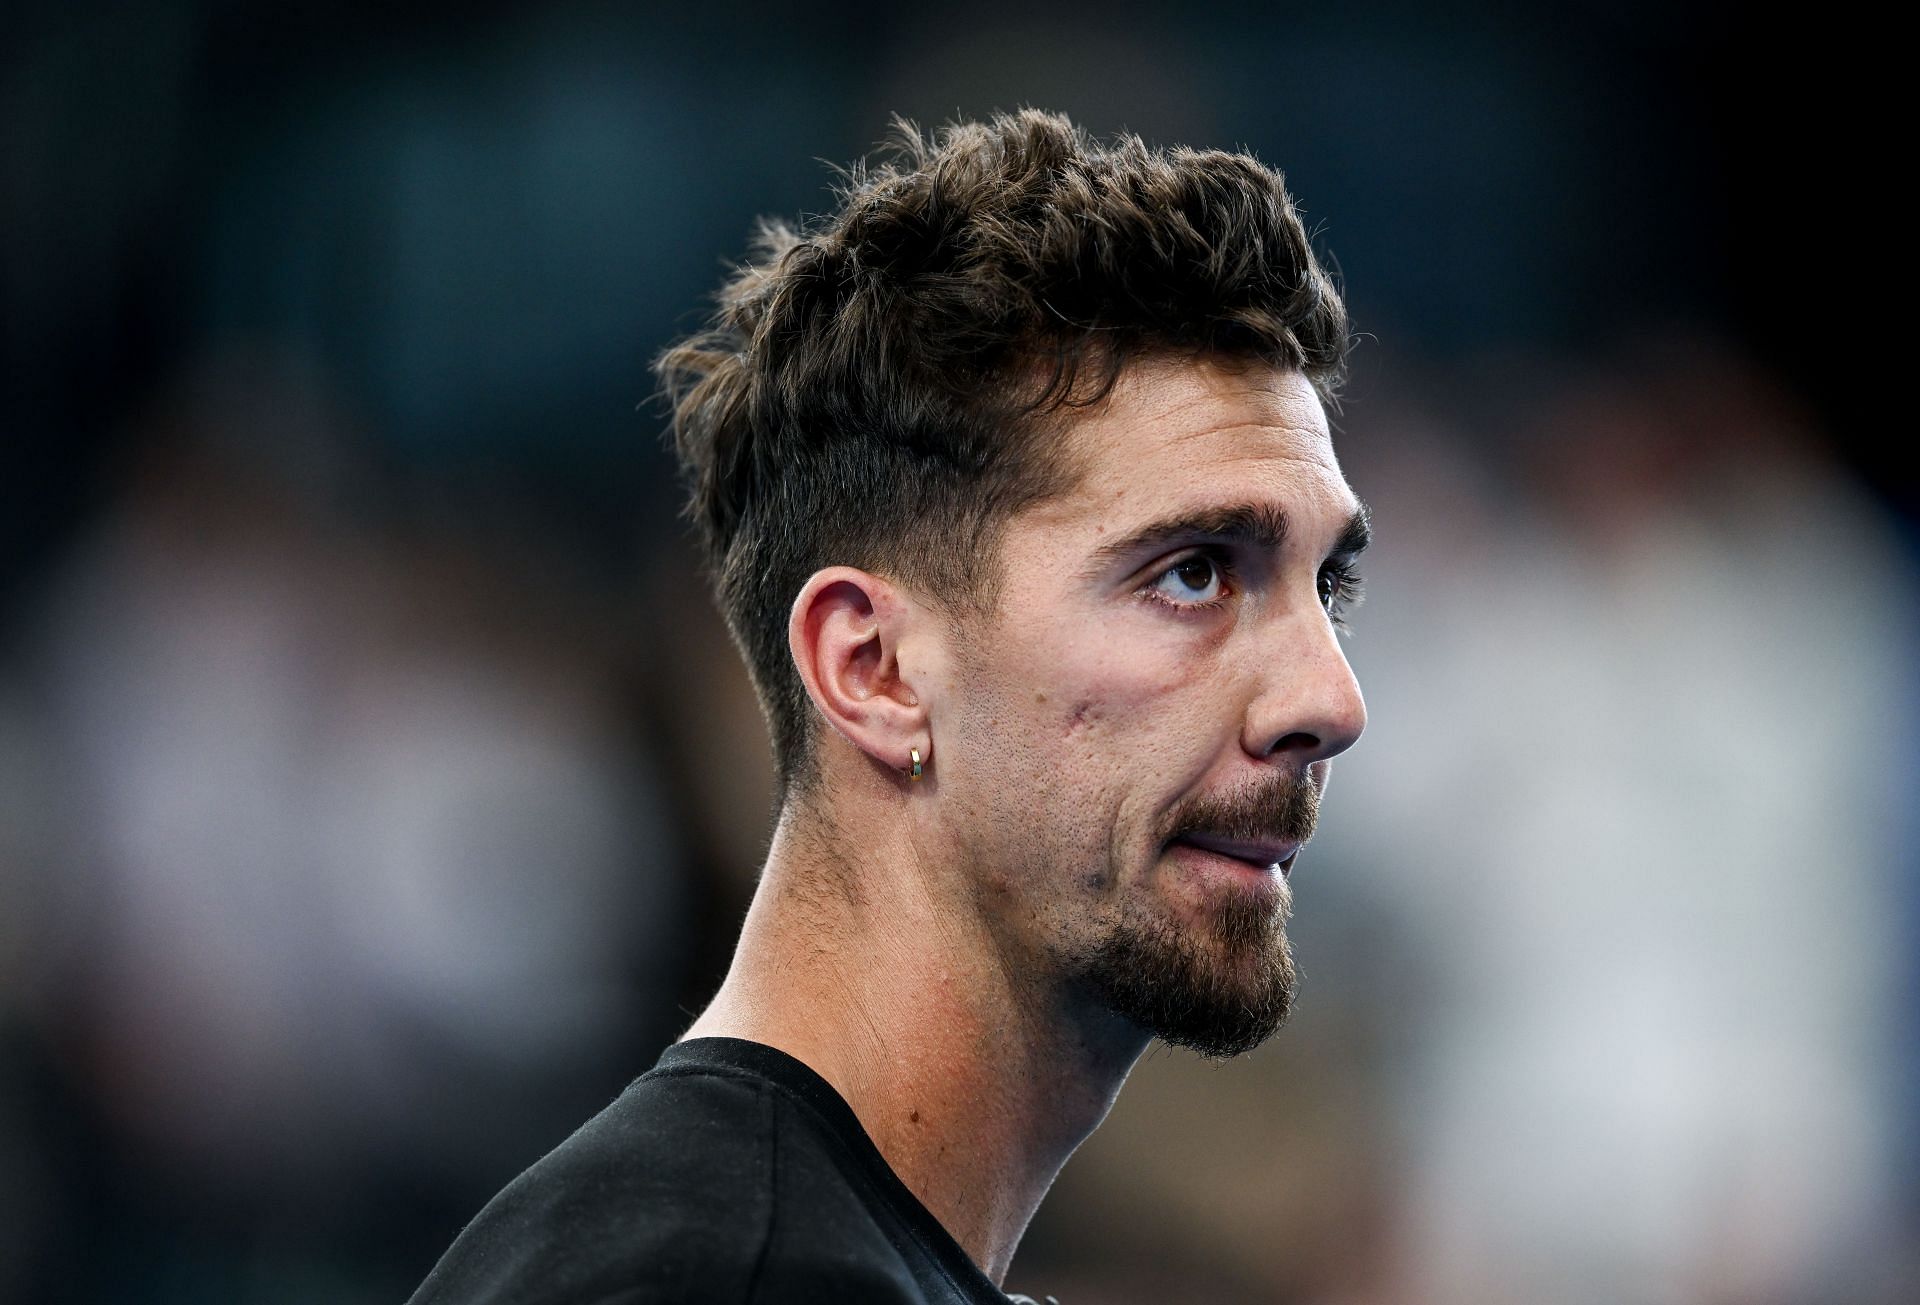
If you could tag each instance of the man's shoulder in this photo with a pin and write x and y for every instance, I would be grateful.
(654, 1192)
(697, 1184)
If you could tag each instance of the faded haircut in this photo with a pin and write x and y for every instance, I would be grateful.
(886, 385)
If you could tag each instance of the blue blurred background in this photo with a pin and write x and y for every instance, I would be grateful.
(379, 793)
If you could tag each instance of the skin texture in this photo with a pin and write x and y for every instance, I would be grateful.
(975, 961)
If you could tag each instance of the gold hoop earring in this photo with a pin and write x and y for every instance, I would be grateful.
(916, 769)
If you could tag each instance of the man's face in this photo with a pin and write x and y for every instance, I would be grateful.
(1143, 725)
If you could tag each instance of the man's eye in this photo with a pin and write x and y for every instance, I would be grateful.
(1195, 579)
(1340, 590)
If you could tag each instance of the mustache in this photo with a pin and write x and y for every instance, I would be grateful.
(1286, 807)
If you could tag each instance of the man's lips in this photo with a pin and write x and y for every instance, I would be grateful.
(1261, 854)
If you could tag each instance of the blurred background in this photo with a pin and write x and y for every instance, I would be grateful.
(379, 793)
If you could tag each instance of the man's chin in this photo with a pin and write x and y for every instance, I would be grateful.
(1220, 986)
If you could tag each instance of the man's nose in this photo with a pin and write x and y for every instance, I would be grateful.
(1309, 706)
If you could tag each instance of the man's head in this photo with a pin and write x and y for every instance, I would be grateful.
(883, 390)
(1021, 454)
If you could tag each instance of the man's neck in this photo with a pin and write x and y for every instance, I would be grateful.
(975, 1079)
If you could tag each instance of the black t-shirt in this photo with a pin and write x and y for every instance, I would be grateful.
(729, 1174)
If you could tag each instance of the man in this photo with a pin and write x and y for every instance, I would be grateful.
(1017, 487)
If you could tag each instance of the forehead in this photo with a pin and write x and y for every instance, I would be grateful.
(1175, 435)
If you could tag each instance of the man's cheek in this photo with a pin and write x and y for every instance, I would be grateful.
(1132, 705)
(1084, 722)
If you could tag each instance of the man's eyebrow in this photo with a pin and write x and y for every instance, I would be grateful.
(1253, 525)
(1355, 535)
(1258, 526)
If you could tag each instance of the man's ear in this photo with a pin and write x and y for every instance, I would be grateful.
(845, 633)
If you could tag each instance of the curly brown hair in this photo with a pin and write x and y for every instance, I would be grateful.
(881, 387)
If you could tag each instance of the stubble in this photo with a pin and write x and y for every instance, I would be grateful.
(1223, 983)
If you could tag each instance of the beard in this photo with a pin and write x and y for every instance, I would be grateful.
(1222, 986)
